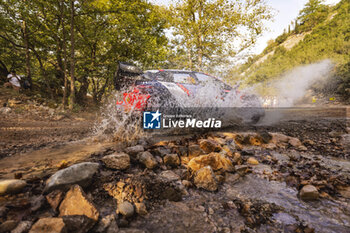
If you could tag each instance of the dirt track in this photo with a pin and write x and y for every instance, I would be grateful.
(33, 149)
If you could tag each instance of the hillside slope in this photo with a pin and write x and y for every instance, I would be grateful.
(328, 38)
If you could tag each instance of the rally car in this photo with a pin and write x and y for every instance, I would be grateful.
(154, 89)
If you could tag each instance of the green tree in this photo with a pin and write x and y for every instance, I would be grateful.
(210, 31)
(313, 12)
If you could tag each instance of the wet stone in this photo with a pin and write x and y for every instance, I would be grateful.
(309, 193)
(205, 179)
(172, 160)
(22, 227)
(126, 209)
(104, 223)
(80, 174)
(49, 225)
(252, 161)
(208, 145)
(134, 150)
(169, 175)
(54, 198)
(8, 226)
(194, 150)
(11, 186)
(161, 151)
(140, 208)
(119, 161)
(78, 223)
(76, 203)
(147, 159)
(215, 160)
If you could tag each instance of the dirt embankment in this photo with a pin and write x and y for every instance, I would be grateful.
(29, 123)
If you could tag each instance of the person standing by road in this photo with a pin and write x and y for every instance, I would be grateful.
(14, 81)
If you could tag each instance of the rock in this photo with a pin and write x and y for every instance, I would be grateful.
(11, 186)
(172, 160)
(76, 203)
(80, 174)
(37, 203)
(241, 169)
(265, 137)
(161, 151)
(5, 110)
(8, 225)
(187, 183)
(22, 227)
(181, 150)
(279, 138)
(104, 223)
(221, 141)
(232, 178)
(78, 223)
(119, 161)
(344, 191)
(215, 160)
(309, 193)
(252, 161)
(335, 134)
(126, 209)
(205, 178)
(49, 225)
(194, 150)
(208, 145)
(113, 227)
(227, 151)
(237, 159)
(3, 211)
(262, 169)
(345, 142)
(295, 142)
(140, 208)
(169, 175)
(54, 198)
(134, 150)
(147, 159)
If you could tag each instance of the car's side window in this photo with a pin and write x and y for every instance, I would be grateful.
(164, 77)
(184, 78)
(204, 78)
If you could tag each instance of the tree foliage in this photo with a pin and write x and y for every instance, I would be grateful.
(328, 39)
(207, 32)
(37, 35)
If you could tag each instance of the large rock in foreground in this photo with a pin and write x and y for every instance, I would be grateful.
(215, 160)
(80, 174)
(76, 203)
(205, 179)
(11, 186)
(119, 161)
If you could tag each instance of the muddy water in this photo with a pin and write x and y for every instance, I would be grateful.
(46, 161)
(323, 215)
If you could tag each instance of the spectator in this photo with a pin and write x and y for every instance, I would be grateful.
(14, 81)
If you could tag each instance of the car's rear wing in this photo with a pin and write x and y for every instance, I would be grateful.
(126, 74)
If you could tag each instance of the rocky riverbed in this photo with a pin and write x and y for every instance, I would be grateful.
(291, 177)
